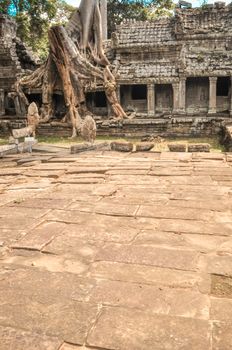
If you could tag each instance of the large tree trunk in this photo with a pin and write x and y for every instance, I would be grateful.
(77, 55)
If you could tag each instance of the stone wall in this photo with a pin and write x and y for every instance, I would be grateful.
(15, 57)
(189, 51)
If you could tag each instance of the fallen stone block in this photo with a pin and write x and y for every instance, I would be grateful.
(84, 147)
(144, 146)
(226, 139)
(199, 147)
(122, 146)
(7, 149)
(177, 147)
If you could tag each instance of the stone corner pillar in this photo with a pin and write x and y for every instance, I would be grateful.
(212, 95)
(151, 99)
(182, 95)
(175, 88)
(2, 102)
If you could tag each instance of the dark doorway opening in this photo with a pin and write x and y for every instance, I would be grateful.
(163, 97)
(139, 92)
(100, 99)
(223, 86)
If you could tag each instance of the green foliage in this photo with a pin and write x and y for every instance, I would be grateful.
(34, 18)
(140, 10)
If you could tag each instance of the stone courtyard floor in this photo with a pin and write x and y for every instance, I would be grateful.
(116, 251)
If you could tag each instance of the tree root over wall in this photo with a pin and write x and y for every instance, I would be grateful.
(76, 60)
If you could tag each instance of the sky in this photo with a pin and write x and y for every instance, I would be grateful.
(73, 2)
(195, 3)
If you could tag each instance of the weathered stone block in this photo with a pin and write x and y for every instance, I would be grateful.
(177, 147)
(119, 328)
(122, 146)
(144, 146)
(83, 147)
(199, 147)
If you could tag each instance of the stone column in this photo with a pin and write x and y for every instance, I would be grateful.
(182, 95)
(2, 102)
(230, 105)
(175, 88)
(151, 99)
(118, 93)
(212, 95)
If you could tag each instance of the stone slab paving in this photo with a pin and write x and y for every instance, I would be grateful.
(115, 251)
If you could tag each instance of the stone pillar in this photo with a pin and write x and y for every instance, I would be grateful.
(151, 99)
(230, 105)
(182, 95)
(118, 93)
(212, 95)
(175, 88)
(2, 102)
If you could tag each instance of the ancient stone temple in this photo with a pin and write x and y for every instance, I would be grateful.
(15, 58)
(173, 74)
(176, 65)
(178, 68)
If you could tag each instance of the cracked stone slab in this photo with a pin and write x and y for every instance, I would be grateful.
(76, 248)
(10, 172)
(73, 264)
(8, 236)
(77, 347)
(70, 321)
(101, 228)
(147, 255)
(22, 223)
(150, 275)
(127, 172)
(216, 205)
(107, 208)
(50, 167)
(81, 180)
(119, 328)
(201, 243)
(189, 180)
(22, 340)
(48, 174)
(169, 172)
(34, 183)
(217, 264)
(87, 170)
(152, 299)
(195, 226)
(221, 309)
(42, 203)
(40, 236)
(168, 212)
(131, 179)
(34, 213)
(43, 286)
(221, 338)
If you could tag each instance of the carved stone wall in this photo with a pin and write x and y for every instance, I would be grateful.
(15, 57)
(186, 51)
